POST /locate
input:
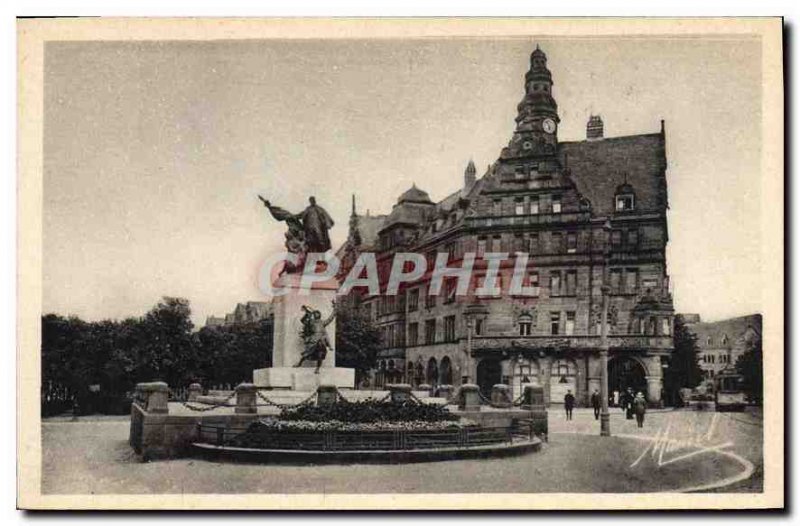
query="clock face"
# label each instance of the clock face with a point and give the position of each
(549, 126)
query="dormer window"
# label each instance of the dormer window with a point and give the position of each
(624, 198)
(625, 203)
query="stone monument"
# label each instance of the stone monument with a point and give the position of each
(304, 355)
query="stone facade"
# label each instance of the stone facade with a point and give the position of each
(548, 200)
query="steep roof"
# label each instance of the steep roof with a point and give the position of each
(599, 166)
(733, 329)
(368, 228)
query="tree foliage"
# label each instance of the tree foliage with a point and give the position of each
(111, 357)
(684, 366)
(357, 339)
(751, 366)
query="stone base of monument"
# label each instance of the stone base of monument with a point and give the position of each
(303, 378)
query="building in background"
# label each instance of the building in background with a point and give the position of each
(549, 200)
(249, 312)
(721, 343)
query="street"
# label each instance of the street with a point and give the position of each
(675, 451)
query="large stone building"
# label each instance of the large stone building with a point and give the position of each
(721, 343)
(551, 200)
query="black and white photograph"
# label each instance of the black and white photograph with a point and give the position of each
(401, 264)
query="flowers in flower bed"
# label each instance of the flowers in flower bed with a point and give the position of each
(370, 411)
(275, 424)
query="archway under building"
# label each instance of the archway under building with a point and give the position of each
(625, 372)
(563, 378)
(489, 373)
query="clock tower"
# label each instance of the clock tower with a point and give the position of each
(536, 133)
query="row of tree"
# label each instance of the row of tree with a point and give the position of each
(99, 363)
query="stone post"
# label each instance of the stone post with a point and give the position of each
(245, 398)
(533, 401)
(195, 390)
(469, 398)
(654, 390)
(399, 393)
(327, 395)
(501, 396)
(153, 396)
(445, 391)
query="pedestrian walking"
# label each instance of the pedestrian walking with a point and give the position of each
(569, 403)
(596, 404)
(639, 407)
(629, 398)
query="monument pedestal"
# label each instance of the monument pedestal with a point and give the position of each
(287, 344)
(303, 378)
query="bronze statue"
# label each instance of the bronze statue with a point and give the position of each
(307, 231)
(315, 337)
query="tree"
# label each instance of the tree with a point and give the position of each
(163, 343)
(684, 367)
(357, 339)
(751, 366)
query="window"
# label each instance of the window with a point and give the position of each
(572, 242)
(569, 326)
(451, 251)
(535, 204)
(616, 238)
(519, 243)
(555, 322)
(413, 334)
(478, 327)
(430, 331)
(497, 243)
(413, 300)
(481, 248)
(430, 300)
(555, 283)
(633, 237)
(450, 289)
(708, 340)
(449, 328)
(571, 278)
(519, 206)
(534, 283)
(615, 281)
(497, 207)
(624, 202)
(557, 247)
(533, 244)
(631, 279)
(556, 204)
(525, 326)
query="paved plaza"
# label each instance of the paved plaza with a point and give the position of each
(92, 456)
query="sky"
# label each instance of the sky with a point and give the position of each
(154, 153)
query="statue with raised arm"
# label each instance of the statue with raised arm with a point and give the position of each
(307, 231)
(315, 338)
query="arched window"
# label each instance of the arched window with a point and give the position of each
(563, 368)
(526, 371)
(525, 324)
(432, 376)
(446, 371)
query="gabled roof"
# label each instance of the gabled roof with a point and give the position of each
(599, 167)
(733, 329)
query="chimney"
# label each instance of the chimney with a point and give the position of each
(469, 175)
(594, 128)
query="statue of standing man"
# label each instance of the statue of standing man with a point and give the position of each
(308, 230)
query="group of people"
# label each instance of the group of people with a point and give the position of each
(632, 405)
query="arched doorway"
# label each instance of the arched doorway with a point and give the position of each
(489, 374)
(526, 371)
(446, 372)
(432, 376)
(563, 378)
(625, 372)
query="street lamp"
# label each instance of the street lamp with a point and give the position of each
(605, 423)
